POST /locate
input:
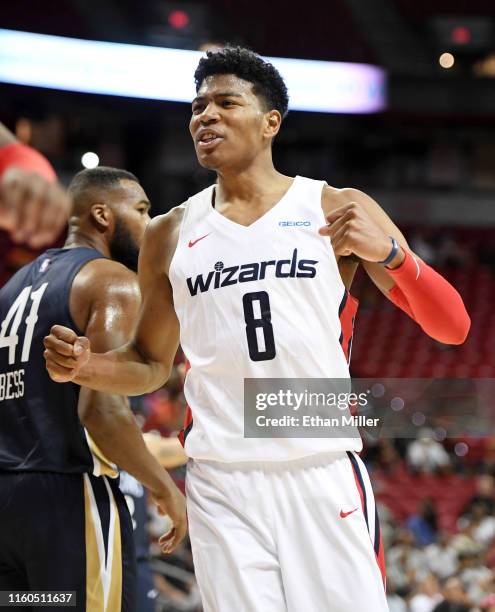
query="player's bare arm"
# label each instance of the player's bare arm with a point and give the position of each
(359, 228)
(143, 364)
(107, 312)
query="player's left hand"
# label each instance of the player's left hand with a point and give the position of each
(172, 504)
(352, 231)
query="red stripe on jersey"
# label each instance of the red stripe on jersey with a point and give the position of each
(188, 421)
(347, 314)
(380, 557)
(356, 480)
(188, 418)
(181, 437)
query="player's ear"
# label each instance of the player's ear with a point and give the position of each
(101, 215)
(273, 121)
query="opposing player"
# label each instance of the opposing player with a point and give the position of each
(33, 206)
(241, 273)
(65, 525)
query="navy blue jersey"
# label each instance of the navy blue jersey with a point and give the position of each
(39, 425)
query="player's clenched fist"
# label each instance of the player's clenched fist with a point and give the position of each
(352, 231)
(65, 353)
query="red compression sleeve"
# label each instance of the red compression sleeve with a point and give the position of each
(22, 156)
(430, 300)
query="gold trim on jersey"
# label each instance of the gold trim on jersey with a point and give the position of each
(101, 465)
(114, 557)
(103, 570)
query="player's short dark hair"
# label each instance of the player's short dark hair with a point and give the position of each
(101, 177)
(247, 65)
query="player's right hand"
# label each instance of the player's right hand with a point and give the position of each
(65, 353)
(172, 503)
(32, 209)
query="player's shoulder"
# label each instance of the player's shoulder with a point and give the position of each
(100, 284)
(333, 197)
(160, 241)
(103, 269)
(102, 279)
(343, 193)
(163, 225)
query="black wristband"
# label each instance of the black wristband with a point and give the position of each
(392, 254)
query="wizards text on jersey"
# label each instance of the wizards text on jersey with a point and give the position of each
(222, 276)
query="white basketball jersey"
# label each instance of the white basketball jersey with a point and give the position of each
(223, 276)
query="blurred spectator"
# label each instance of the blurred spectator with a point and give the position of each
(488, 603)
(490, 557)
(165, 407)
(423, 248)
(484, 495)
(487, 592)
(423, 524)
(483, 526)
(441, 557)
(395, 602)
(428, 595)
(387, 524)
(386, 455)
(425, 454)
(455, 598)
(474, 574)
(464, 542)
(463, 558)
(405, 562)
(488, 460)
(452, 253)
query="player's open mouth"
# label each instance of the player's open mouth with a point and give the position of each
(209, 140)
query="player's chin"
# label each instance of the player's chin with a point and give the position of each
(210, 161)
(214, 159)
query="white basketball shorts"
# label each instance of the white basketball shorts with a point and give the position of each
(296, 536)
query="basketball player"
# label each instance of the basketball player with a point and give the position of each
(64, 523)
(243, 275)
(33, 206)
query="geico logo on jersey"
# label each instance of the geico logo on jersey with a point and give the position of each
(294, 223)
(223, 277)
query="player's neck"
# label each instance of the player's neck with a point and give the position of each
(249, 185)
(80, 238)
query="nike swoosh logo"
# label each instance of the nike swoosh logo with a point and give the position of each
(344, 514)
(193, 242)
